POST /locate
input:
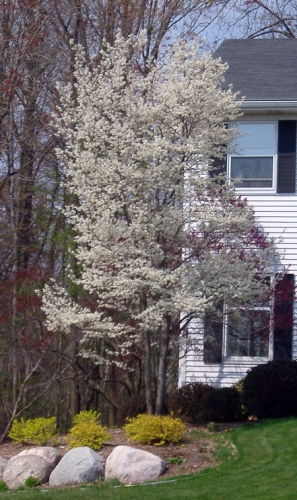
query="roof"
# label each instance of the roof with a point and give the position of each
(261, 69)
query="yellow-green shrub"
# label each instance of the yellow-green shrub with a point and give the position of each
(17, 431)
(86, 431)
(37, 430)
(154, 429)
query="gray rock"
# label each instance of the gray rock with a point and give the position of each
(3, 463)
(80, 465)
(20, 468)
(130, 465)
(48, 453)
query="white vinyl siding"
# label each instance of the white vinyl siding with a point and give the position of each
(277, 214)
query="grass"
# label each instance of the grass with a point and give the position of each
(258, 461)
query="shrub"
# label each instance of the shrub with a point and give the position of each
(86, 431)
(32, 482)
(3, 486)
(185, 401)
(270, 390)
(37, 431)
(133, 406)
(212, 427)
(154, 429)
(220, 405)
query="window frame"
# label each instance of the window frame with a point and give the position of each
(255, 190)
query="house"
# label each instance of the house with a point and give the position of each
(264, 72)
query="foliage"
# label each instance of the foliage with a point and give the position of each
(270, 390)
(86, 431)
(220, 405)
(3, 486)
(32, 482)
(186, 401)
(154, 429)
(37, 431)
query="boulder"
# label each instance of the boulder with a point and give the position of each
(3, 463)
(79, 465)
(19, 469)
(50, 454)
(131, 465)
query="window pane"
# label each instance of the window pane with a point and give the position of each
(248, 333)
(256, 138)
(254, 171)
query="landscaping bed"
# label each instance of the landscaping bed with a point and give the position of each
(192, 454)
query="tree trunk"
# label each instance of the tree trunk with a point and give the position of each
(161, 380)
(147, 374)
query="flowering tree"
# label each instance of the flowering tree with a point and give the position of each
(156, 234)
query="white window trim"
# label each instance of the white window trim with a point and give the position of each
(253, 190)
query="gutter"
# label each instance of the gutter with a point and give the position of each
(270, 106)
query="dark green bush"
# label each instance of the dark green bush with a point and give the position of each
(220, 405)
(270, 390)
(133, 406)
(185, 402)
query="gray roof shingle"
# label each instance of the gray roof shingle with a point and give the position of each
(261, 69)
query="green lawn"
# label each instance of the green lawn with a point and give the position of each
(261, 463)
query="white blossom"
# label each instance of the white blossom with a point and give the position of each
(155, 234)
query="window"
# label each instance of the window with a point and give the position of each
(237, 333)
(255, 160)
(248, 333)
(265, 157)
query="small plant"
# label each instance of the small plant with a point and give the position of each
(154, 429)
(3, 486)
(32, 482)
(213, 427)
(86, 431)
(37, 431)
(196, 434)
(175, 460)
